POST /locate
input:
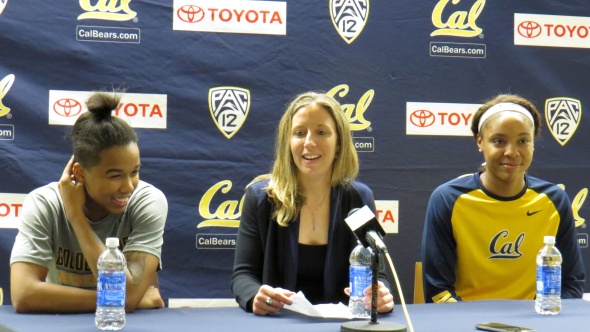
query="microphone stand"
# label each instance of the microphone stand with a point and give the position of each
(373, 325)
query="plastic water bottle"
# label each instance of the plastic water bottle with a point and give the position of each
(548, 300)
(360, 275)
(110, 287)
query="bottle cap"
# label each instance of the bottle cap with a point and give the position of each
(112, 242)
(549, 239)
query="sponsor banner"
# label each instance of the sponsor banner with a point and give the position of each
(551, 30)
(6, 132)
(563, 116)
(439, 119)
(231, 16)
(139, 109)
(10, 209)
(387, 214)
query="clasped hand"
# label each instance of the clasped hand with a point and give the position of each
(384, 297)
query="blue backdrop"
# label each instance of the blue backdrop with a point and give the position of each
(207, 82)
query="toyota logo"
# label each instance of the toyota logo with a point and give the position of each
(529, 29)
(422, 118)
(67, 107)
(190, 13)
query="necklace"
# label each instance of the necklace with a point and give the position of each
(316, 210)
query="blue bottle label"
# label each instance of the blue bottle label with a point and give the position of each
(548, 280)
(110, 289)
(360, 278)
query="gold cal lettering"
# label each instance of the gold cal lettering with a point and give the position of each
(107, 10)
(577, 204)
(460, 23)
(228, 212)
(356, 119)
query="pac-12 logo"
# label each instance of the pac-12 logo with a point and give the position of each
(5, 85)
(563, 116)
(110, 10)
(349, 17)
(229, 107)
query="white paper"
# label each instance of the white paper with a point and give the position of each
(328, 310)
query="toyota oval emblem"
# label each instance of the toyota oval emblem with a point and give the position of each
(422, 118)
(190, 13)
(529, 29)
(67, 107)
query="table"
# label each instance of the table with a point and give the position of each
(462, 316)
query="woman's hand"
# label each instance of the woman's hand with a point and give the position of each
(269, 300)
(384, 297)
(72, 193)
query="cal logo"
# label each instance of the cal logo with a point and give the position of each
(3, 5)
(460, 23)
(229, 107)
(354, 113)
(349, 17)
(503, 247)
(227, 213)
(5, 85)
(110, 10)
(563, 116)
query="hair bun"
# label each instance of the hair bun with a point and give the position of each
(101, 104)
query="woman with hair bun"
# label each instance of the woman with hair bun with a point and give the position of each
(64, 224)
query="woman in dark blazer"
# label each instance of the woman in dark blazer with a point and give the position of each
(292, 235)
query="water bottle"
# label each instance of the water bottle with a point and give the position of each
(360, 275)
(110, 287)
(548, 300)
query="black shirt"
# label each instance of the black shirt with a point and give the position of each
(310, 275)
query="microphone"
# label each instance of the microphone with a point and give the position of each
(366, 228)
(369, 232)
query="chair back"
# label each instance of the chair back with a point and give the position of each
(418, 284)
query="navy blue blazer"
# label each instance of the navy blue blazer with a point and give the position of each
(267, 253)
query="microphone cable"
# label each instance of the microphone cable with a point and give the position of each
(399, 290)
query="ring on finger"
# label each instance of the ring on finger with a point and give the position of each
(269, 302)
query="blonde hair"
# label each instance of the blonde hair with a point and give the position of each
(283, 187)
